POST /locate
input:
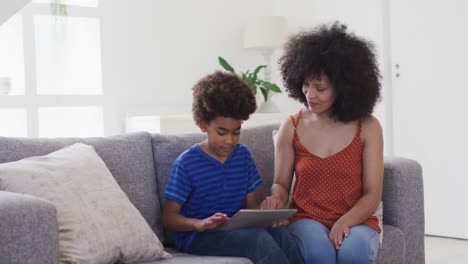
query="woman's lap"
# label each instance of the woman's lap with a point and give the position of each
(361, 246)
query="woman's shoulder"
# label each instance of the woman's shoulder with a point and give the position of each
(292, 118)
(286, 130)
(370, 126)
(370, 121)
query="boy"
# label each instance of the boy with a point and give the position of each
(214, 179)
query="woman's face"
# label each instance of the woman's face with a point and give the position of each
(320, 93)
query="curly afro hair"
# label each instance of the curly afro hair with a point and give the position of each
(347, 60)
(222, 94)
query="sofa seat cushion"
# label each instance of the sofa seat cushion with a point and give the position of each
(394, 246)
(96, 221)
(184, 258)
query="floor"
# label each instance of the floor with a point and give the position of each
(441, 250)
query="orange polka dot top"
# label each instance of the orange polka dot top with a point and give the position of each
(327, 188)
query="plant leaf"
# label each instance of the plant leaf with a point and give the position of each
(225, 64)
(272, 87)
(265, 93)
(252, 86)
(253, 79)
(257, 70)
(248, 79)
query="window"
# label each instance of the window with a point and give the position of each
(11, 52)
(50, 72)
(13, 122)
(67, 55)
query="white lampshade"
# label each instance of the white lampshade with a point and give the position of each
(264, 32)
(10, 7)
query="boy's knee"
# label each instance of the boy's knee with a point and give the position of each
(280, 234)
(264, 236)
(255, 237)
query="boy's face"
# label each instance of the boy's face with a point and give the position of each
(223, 135)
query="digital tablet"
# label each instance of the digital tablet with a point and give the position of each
(249, 218)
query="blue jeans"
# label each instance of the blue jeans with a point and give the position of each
(361, 245)
(268, 246)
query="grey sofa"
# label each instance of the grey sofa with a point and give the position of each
(141, 163)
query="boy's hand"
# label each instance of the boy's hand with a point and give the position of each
(211, 222)
(272, 202)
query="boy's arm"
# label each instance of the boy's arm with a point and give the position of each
(175, 221)
(252, 201)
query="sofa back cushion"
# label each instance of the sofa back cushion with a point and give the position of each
(166, 148)
(260, 142)
(129, 158)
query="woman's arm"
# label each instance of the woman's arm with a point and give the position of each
(372, 173)
(284, 168)
(372, 180)
(173, 220)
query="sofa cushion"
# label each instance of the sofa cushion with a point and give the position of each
(96, 221)
(260, 142)
(183, 258)
(129, 158)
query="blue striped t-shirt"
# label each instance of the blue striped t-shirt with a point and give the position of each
(205, 186)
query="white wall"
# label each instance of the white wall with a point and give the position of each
(154, 51)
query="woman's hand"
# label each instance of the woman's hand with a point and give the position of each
(337, 233)
(280, 223)
(272, 202)
(211, 222)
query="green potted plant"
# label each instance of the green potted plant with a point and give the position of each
(252, 79)
(58, 8)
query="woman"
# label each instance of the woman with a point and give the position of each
(334, 146)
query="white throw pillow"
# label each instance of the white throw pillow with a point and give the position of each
(97, 222)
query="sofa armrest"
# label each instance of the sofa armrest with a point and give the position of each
(28, 230)
(403, 202)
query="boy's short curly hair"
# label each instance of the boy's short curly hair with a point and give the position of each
(222, 94)
(347, 60)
